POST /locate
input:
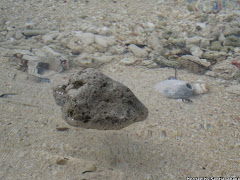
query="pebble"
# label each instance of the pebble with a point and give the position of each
(196, 51)
(48, 38)
(138, 52)
(127, 61)
(50, 51)
(34, 32)
(85, 38)
(31, 58)
(101, 40)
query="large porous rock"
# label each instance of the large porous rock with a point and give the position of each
(94, 101)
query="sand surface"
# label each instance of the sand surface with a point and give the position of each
(176, 141)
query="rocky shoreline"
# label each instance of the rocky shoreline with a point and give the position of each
(160, 35)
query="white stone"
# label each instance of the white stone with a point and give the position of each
(49, 50)
(101, 40)
(85, 38)
(84, 60)
(39, 53)
(138, 52)
(48, 38)
(31, 58)
(103, 59)
(196, 51)
(127, 61)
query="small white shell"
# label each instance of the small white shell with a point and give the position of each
(200, 88)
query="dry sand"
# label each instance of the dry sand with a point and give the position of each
(176, 141)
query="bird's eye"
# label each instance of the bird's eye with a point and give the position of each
(189, 86)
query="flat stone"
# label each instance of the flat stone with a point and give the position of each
(34, 32)
(197, 60)
(138, 52)
(31, 58)
(92, 100)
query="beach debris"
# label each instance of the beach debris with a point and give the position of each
(94, 101)
(62, 161)
(62, 128)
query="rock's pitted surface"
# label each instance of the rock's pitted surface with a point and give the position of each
(93, 100)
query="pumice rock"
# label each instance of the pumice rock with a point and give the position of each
(94, 101)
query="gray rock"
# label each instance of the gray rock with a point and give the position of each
(94, 101)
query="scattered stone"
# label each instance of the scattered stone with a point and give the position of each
(196, 51)
(197, 60)
(101, 40)
(34, 32)
(50, 51)
(155, 42)
(48, 38)
(138, 52)
(18, 35)
(31, 58)
(39, 53)
(85, 38)
(216, 46)
(231, 31)
(232, 41)
(127, 61)
(103, 59)
(93, 100)
(215, 55)
(85, 60)
(164, 62)
(224, 70)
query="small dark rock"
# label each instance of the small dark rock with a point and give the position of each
(94, 101)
